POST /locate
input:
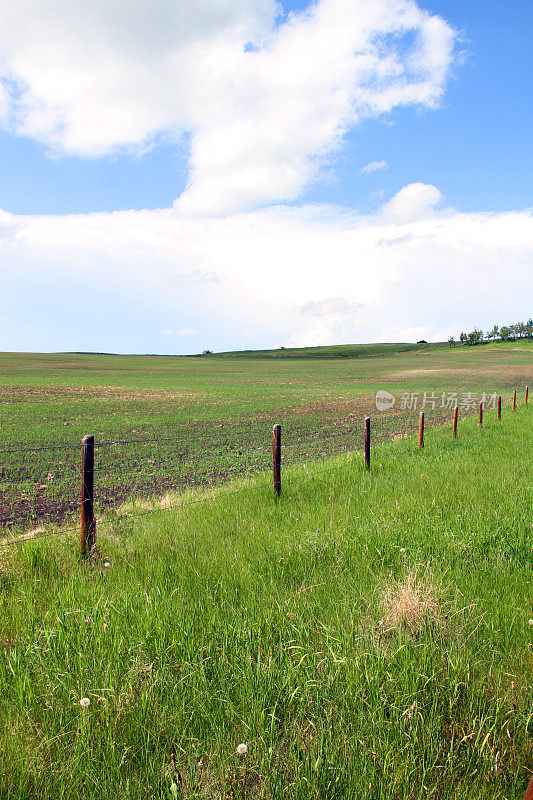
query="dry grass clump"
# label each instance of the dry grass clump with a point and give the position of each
(411, 602)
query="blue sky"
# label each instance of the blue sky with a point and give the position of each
(476, 147)
(470, 140)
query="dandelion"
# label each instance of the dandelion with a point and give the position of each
(402, 549)
(107, 563)
(85, 702)
(531, 621)
(242, 749)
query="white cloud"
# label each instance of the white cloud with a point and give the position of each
(181, 332)
(330, 314)
(92, 78)
(373, 166)
(291, 275)
(197, 276)
(332, 306)
(414, 200)
(9, 227)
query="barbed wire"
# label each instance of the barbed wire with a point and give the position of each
(382, 434)
(304, 464)
(220, 441)
(24, 538)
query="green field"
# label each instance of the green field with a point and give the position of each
(183, 421)
(368, 635)
(337, 351)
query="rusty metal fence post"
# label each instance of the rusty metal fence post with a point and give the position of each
(454, 429)
(529, 791)
(367, 442)
(88, 521)
(421, 430)
(276, 458)
(480, 422)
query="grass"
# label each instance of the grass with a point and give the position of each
(370, 350)
(188, 421)
(338, 351)
(367, 635)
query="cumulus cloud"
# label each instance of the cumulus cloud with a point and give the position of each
(331, 316)
(373, 166)
(291, 275)
(9, 227)
(414, 200)
(264, 100)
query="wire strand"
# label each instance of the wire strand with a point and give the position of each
(23, 539)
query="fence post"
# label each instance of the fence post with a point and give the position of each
(455, 413)
(276, 458)
(499, 407)
(527, 389)
(88, 522)
(514, 400)
(480, 423)
(367, 442)
(421, 430)
(529, 791)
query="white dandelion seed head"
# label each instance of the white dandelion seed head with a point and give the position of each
(85, 702)
(402, 549)
(531, 621)
(242, 749)
(107, 563)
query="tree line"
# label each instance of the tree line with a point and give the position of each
(507, 333)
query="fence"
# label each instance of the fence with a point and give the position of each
(216, 461)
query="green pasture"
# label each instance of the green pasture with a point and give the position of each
(367, 636)
(164, 422)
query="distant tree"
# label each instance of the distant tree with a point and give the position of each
(494, 333)
(474, 337)
(207, 352)
(505, 333)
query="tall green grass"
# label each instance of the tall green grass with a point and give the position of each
(367, 635)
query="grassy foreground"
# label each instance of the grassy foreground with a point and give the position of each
(368, 636)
